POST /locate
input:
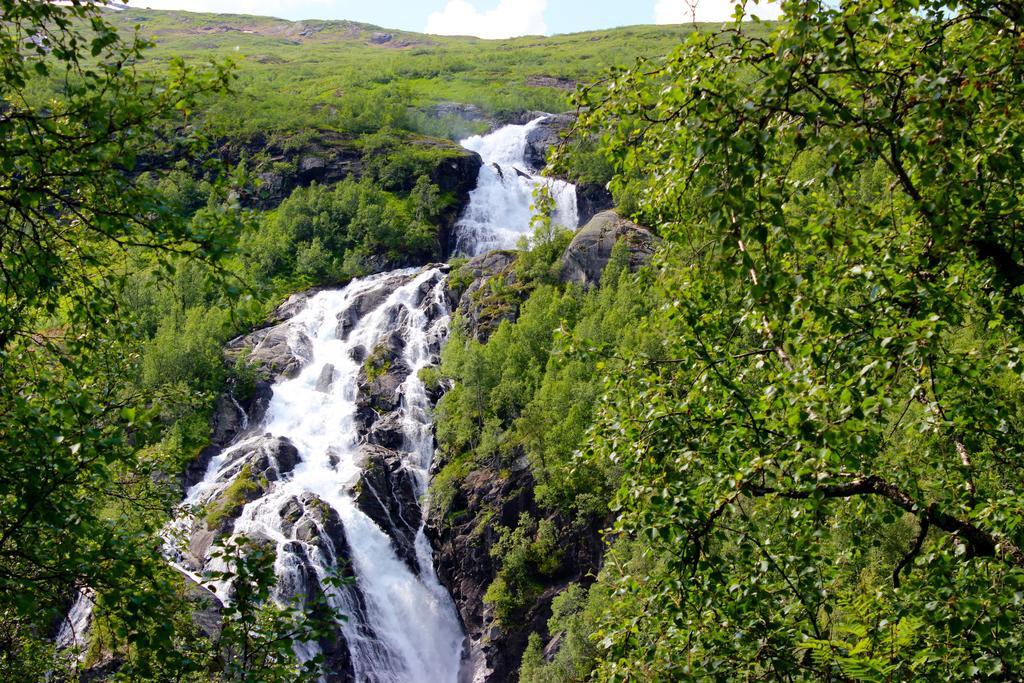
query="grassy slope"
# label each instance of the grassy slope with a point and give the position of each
(314, 73)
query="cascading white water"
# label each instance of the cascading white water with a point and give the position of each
(71, 635)
(309, 455)
(402, 625)
(500, 209)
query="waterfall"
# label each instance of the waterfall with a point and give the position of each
(500, 209)
(334, 474)
(343, 455)
(71, 633)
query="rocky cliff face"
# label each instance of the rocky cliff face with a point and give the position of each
(487, 498)
(282, 164)
(326, 157)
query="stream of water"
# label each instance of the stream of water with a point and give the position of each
(332, 491)
(501, 208)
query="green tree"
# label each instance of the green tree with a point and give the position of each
(75, 116)
(259, 635)
(826, 449)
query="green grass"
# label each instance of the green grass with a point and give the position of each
(332, 75)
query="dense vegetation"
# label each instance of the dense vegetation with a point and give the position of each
(801, 424)
(356, 78)
(121, 288)
(817, 447)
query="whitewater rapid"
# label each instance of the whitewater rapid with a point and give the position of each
(401, 624)
(501, 208)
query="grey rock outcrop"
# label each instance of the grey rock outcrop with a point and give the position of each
(558, 82)
(474, 298)
(276, 353)
(592, 199)
(591, 249)
(258, 461)
(206, 607)
(386, 493)
(547, 134)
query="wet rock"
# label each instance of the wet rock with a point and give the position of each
(592, 199)
(230, 418)
(257, 404)
(227, 420)
(520, 118)
(318, 530)
(326, 379)
(590, 250)
(380, 378)
(290, 513)
(357, 353)
(275, 352)
(293, 305)
(269, 457)
(386, 493)
(367, 302)
(387, 432)
(547, 134)
(246, 476)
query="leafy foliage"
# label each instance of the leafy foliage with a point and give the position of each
(342, 231)
(260, 636)
(823, 454)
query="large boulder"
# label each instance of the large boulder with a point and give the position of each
(591, 249)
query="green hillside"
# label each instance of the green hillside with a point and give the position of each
(351, 77)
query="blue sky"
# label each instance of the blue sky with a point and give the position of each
(485, 18)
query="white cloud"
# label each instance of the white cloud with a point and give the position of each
(510, 18)
(685, 11)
